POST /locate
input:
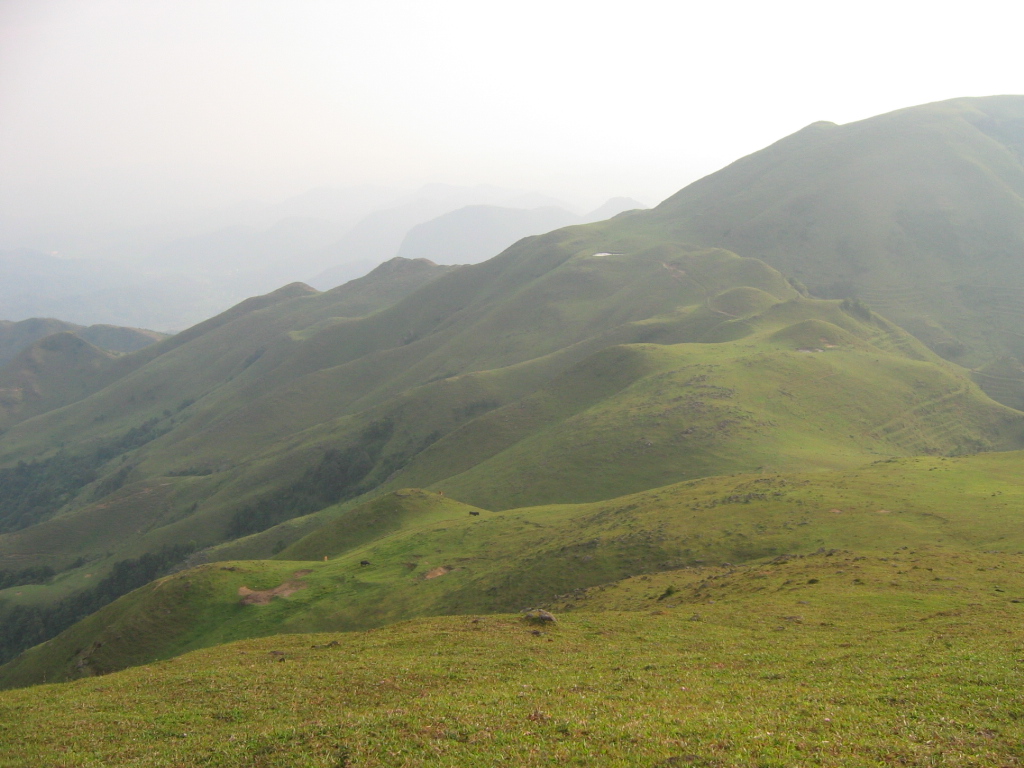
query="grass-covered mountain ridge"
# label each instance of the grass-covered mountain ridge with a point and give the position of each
(583, 365)
(919, 213)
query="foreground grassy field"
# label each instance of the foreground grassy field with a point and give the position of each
(911, 658)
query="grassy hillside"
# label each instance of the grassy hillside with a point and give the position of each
(59, 368)
(580, 365)
(47, 363)
(429, 555)
(528, 433)
(14, 337)
(919, 212)
(831, 659)
(243, 426)
(387, 284)
(641, 416)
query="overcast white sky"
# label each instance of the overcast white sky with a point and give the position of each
(113, 109)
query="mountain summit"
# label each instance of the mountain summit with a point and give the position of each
(919, 213)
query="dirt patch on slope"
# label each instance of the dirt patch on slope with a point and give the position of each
(441, 570)
(264, 596)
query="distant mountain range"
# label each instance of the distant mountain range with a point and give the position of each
(15, 337)
(478, 232)
(159, 280)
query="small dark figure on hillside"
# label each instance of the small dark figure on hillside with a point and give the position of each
(475, 514)
(539, 616)
(364, 562)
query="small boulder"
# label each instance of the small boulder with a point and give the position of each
(539, 616)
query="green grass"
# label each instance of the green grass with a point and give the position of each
(916, 212)
(550, 374)
(749, 666)
(545, 375)
(505, 561)
(869, 615)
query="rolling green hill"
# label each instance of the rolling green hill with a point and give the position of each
(46, 363)
(415, 553)
(582, 365)
(387, 284)
(17, 336)
(14, 337)
(245, 425)
(116, 338)
(55, 369)
(919, 213)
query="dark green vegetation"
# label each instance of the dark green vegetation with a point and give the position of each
(25, 625)
(33, 492)
(338, 476)
(25, 576)
(593, 421)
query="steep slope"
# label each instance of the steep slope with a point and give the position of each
(384, 286)
(690, 411)
(919, 212)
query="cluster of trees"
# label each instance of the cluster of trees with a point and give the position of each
(339, 475)
(36, 575)
(31, 492)
(22, 626)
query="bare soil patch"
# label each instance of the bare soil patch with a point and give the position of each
(262, 597)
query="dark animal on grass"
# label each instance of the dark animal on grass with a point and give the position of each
(475, 514)
(364, 562)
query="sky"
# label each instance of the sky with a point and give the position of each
(114, 112)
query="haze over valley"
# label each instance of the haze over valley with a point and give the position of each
(327, 236)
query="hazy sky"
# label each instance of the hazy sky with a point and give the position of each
(110, 109)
